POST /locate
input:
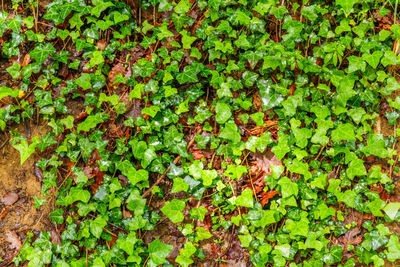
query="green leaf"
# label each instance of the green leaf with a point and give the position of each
(223, 111)
(25, 149)
(334, 255)
(356, 63)
(76, 194)
(391, 209)
(198, 213)
(393, 245)
(13, 70)
(96, 59)
(158, 252)
(118, 17)
(235, 171)
(182, 7)
(373, 59)
(136, 203)
(245, 199)
(42, 52)
(297, 166)
(173, 210)
(179, 185)
(100, 6)
(97, 225)
(84, 81)
(288, 188)
(185, 254)
(6, 91)
(343, 132)
(91, 122)
(57, 216)
(375, 146)
(347, 5)
(187, 40)
(345, 90)
(189, 74)
(133, 175)
(230, 132)
(151, 111)
(202, 234)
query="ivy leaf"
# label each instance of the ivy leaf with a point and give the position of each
(151, 111)
(158, 252)
(97, 225)
(296, 166)
(373, 59)
(91, 122)
(334, 255)
(230, 132)
(133, 175)
(269, 98)
(198, 213)
(185, 254)
(118, 17)
(202, 234)
(84, 81)
(182, 7)
(173, 210)
(245, 199)
(96, 59)
(25, 149)
(100, 6)
(189, 74)
(375, 146)
(347, 5)
(13, 70)
(6, 91)
(288, 188)
(187, 40)
(391, 209)
(393, 245)
(343, 132)
(179, 185)
(76, 194)
(57, 216)
(356, 63)
(42, 51)
(223, 111)
(392, 85)
(235, 171)
(356, 168)
(345, 90)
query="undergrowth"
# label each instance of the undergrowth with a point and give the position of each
(254, 118)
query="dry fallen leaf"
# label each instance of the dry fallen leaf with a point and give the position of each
(117, 69)
(55, 237)
(13, 239)
(265, 160)
(9, 198)
(101, 45)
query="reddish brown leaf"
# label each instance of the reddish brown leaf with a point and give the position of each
(98, 180)
(3, 213)
(13, 239)
(55, 237)
(265, 160)
(101, 45)
(9, 198)
(26, 61)
(265, 196)
(117, 69)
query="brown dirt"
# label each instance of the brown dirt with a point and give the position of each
(21, 216)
